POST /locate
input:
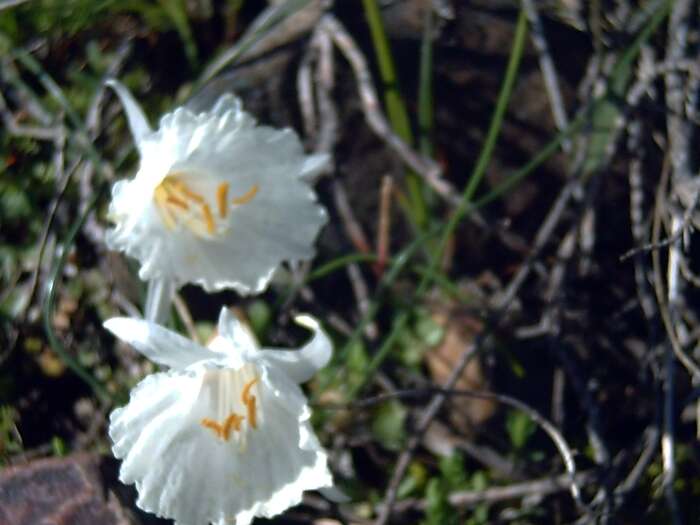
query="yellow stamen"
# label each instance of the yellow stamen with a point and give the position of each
(161, 197)
(249, 401)
(171, 199)
(252, 413)
(208, 218)
(212, 425)
(233, 422)
(246, 197)
(192, 195)
(245, 394)
(221, 193)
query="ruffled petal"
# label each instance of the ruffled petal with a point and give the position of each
(280, 223)
(300, 365)
(138, 123)
(250, 210)
(159, 344)
(186, 467)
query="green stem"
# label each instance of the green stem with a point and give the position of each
(500, 111)
(54, 341)
(430, 274)
(340, 262)
(396, 109)
(489, 144)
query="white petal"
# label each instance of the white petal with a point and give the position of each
(157, 398)
(228, 103)
(235, 332)
(206, 150)
(157, 343)
(138, 123)
(301, 364)
(279, 224)
(184, 471)
(314, 166)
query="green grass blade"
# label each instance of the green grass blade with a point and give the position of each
(497, 117)
(430, 274)
(489, 143)
(394, 101)
(609, 109)
(395, 106)
(340, 263)
(84, 142)
(401, 318)
(177, 12)
(262, 27)
(612, 96)
(49, 303)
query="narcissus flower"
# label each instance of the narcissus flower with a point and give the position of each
(218, 200)
(224, 434)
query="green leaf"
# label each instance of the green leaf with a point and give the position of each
(415, 480)
(430, 332)
(388, 424)
(438, 509)
(15, 203)
(10, 440)
(58, 446)
(453, 471)
(520, 427)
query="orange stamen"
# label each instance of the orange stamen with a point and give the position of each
(245, 394)
(233, 422)
(212, 425)
(208, 218)
(250, 401)
(252, 414)
(221, 193)
(246, 197)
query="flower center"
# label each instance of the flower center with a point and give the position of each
(235, 398)
(203, 215)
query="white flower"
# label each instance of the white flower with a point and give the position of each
(217, 200)
(223, 435)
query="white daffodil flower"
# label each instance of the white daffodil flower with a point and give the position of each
(218, 200)
(224, 435)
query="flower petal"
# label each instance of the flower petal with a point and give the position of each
(159, 344)
(279, 224)
(271, 213)
(300, 365)
(235, 332)
(314, 165)
(184, 471)
(138, 123)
